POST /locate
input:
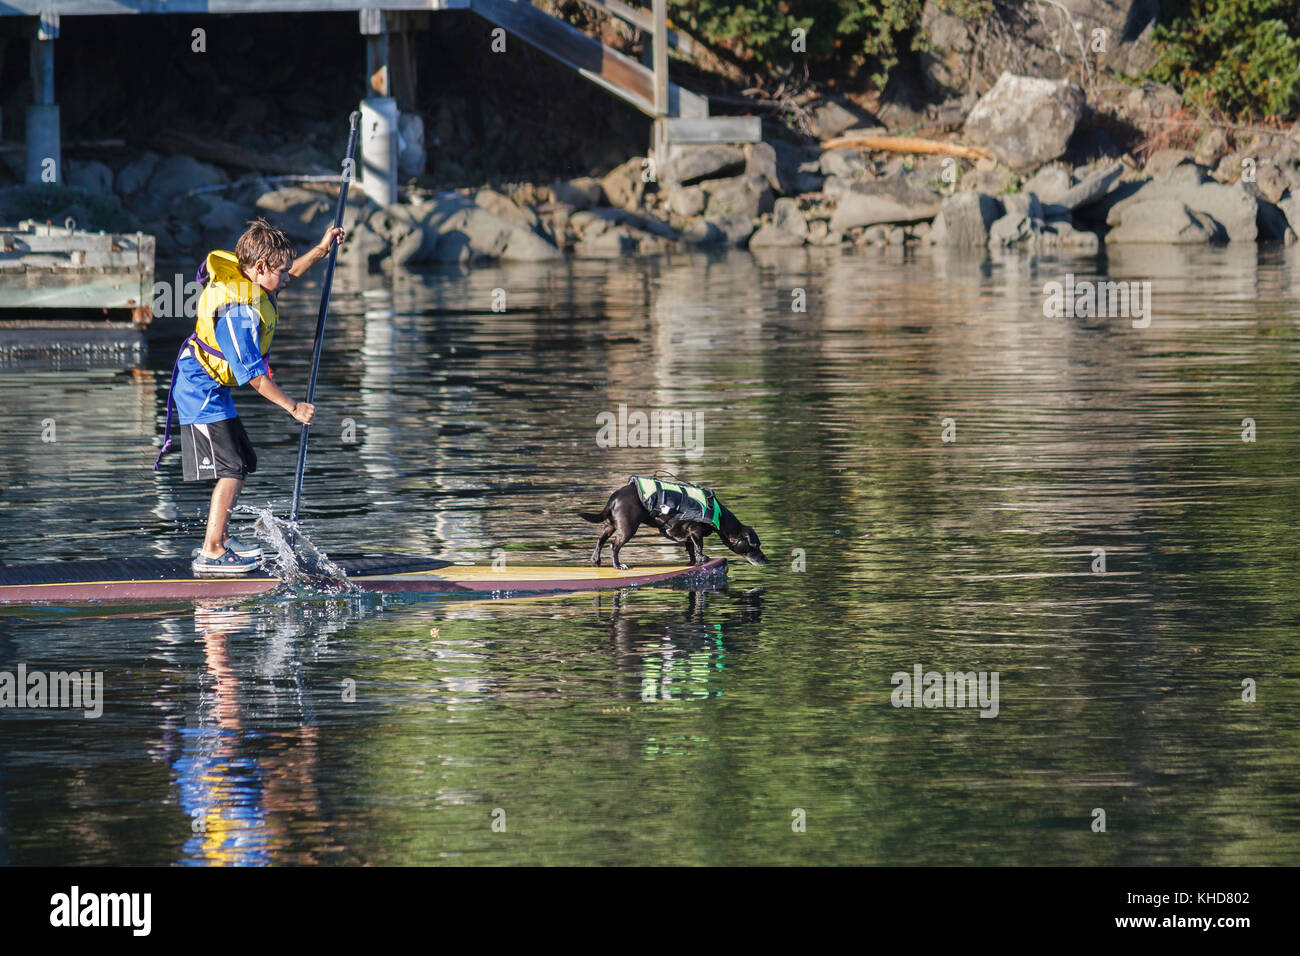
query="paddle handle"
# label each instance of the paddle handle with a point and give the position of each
(348, 165)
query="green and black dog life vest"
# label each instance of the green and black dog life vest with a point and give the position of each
(676, 501)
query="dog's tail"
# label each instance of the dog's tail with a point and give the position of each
(594, 518)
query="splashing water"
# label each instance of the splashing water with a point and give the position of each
(297, 561)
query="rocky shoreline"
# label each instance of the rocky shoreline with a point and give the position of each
(1045, 181)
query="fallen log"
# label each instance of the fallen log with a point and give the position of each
(904, 144)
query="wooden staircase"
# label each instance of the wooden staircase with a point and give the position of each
(680, 115)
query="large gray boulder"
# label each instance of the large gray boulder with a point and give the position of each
(688, 163)
(474, 233)
(1236, 207)
(894, 198)
(91, 175)
(1164, 221)
(505, 207)
(965, 220)
(134, 176)
(749, 196)
(1025, 120)
(177, 175)
(624, 185)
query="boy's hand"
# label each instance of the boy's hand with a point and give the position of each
(303, 412)
(333, 236)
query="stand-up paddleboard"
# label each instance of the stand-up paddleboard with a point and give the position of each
(164, 579)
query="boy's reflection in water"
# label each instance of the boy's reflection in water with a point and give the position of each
(241, 788)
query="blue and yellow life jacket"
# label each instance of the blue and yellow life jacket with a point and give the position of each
(676, 501)
(225, 285)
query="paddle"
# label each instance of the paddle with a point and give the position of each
(346, 178)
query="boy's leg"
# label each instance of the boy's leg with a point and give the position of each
(224, 496)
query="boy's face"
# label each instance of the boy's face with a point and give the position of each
(270, 278)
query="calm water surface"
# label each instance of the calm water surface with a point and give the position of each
(664, 726)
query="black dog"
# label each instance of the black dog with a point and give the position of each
(627, 510)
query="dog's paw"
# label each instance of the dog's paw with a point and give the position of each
(622, 567)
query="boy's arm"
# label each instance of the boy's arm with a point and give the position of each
(301, 411)
(317, 252)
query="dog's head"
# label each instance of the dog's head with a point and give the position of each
(741, 538)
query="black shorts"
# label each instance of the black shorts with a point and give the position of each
(217, 450)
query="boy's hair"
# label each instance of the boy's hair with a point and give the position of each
(261, 240)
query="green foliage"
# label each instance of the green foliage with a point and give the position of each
(1237, 56)
(838, 34)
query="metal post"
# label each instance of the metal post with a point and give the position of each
(661, 57)
(44, 159)
(379, 138)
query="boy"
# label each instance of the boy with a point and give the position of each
(229, 346)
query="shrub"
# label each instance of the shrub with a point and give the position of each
(1236, 56)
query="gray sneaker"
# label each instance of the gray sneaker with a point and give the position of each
(228, 563)
(253, 550)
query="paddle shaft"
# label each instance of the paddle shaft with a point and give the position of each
(354, 120)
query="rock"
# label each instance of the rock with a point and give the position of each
(769, 236)
(625, 184)
(687, 163)
(505, 207)
(302, 213)
(787, 228)
(787, 217)
(962, 55)
(1026, 121)
(848, 164)
(177, 175)
(1091, 189)
(474, 233)
(1151, 101)
(831, 118)
(1164, 221)
(92, 176)
(808, 178)
(1212, 147)
(1163, 160)
(748, 196)
(730, 229)
(1234, 207)
(411, 155)
(581, 193)
(888, 199)
(983, 181)
(134, 176)
(1022, 204)
(1290, 209)
(402, 228)
(874, 236)
(223, 222)
(687, 200)
(1273, 183)
(1050, 183)
(620, 240)
(965, 220)
(761, 160)
(1013, 228)
(1062, 234)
